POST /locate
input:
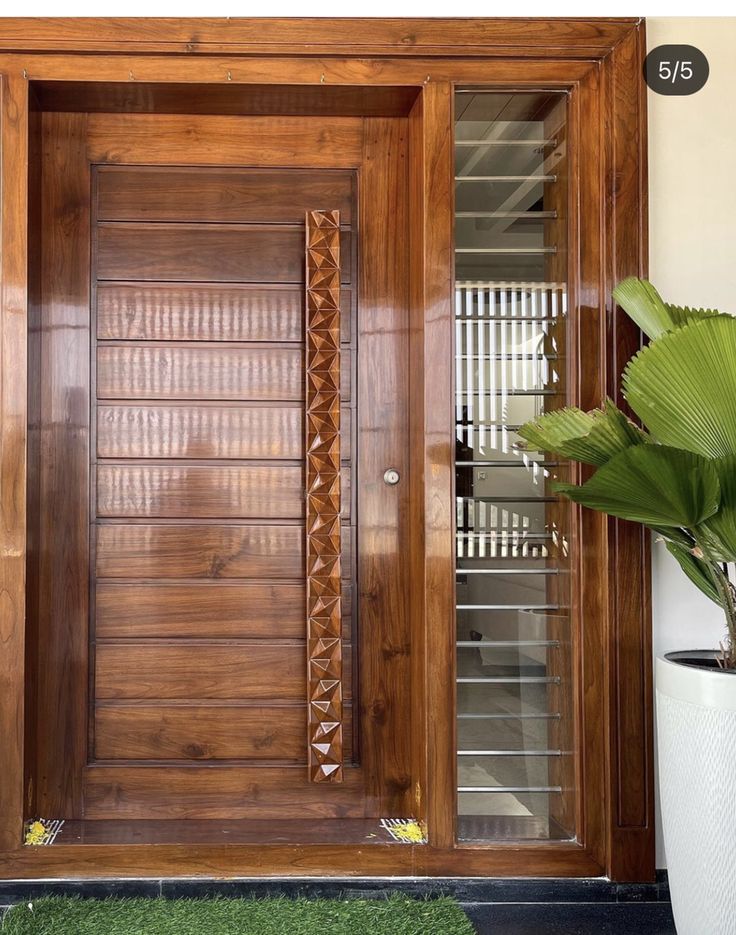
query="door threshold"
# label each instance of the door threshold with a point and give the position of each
(363, 831)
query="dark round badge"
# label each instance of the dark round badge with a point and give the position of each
(676, 69)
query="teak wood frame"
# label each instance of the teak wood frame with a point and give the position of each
(599, 63)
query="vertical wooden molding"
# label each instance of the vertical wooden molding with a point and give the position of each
(324, 619)
(631, 783)
(13, 377)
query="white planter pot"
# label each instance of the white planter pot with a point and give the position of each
(696, 731)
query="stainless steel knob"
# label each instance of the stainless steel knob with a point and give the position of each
(391, 477)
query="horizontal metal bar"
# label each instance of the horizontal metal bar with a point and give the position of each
(540, 356)
(503, 644)
(508, 319)
(507, 607)
(503, 464)
(505, 178)
(509, 752)
(511, 679)
(489, 499)
(504, 534)
(552, 142)
(506, 250)
(508, 571)
(515, 789)
(538, 285)
(508, 717)
(509, 215)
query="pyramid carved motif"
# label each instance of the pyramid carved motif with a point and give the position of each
(323, 546)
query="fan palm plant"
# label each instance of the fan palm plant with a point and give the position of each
(677, 474)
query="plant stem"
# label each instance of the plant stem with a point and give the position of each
(728, 602)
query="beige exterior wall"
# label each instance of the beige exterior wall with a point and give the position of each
(692, 255)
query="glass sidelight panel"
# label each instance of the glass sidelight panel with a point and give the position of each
(513, 548)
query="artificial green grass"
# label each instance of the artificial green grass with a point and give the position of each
(396, 915)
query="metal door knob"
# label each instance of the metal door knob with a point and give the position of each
(391, 477)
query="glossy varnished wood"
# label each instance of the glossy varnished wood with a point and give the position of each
(205, 610)
(63, 606)
(13, 329)
(200, 551)
(144, 139)
(181, 193)
(200, 491)
(200, 670)
(188, 372)
(235, 99)
(356, 36)
(210, 252)
(204, 312)
(197, 791)
(205, 732)
(385, 649)
(509, 53)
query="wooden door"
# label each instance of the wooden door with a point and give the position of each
(183, 590)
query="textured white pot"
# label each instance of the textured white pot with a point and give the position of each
(696, 731)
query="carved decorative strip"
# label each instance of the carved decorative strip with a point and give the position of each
(324, 648)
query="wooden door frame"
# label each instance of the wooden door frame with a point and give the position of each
(599, 63)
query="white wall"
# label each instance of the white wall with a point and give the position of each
(692, 256)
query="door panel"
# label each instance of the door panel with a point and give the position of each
(183, 193)
(198, 616)
(204, 312)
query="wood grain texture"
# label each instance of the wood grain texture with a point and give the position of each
(288, 100)
(201, 551)
(200, 670)
(208, 610)
(632, 822)
(358, 36)
(383, 432)
(202, 732)
(199, 431)
(13, 376)
(198, 791)
(139, 141)
(203, 252)
(186, 372)
(323, 545)
(204, 312)
(145, 139)
(185, 193)
(63, 609)
(200, 491)
(433, 459)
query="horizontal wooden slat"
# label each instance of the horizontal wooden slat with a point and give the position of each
(153, 372)
(254, 141)
(204, 732)
(200, 492)
(190, 193)
(200, 609)
(242, 373)
(204, 609)
(199, 732)
(217, 792)
(191, 431)
(205, 312)
(209, 253)
(201, 551)
(256, 671)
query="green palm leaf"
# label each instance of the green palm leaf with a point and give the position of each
(644, 305)
(718, 532)
(683, 387)
(652, 484)
(592, 437)
(698, 572)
